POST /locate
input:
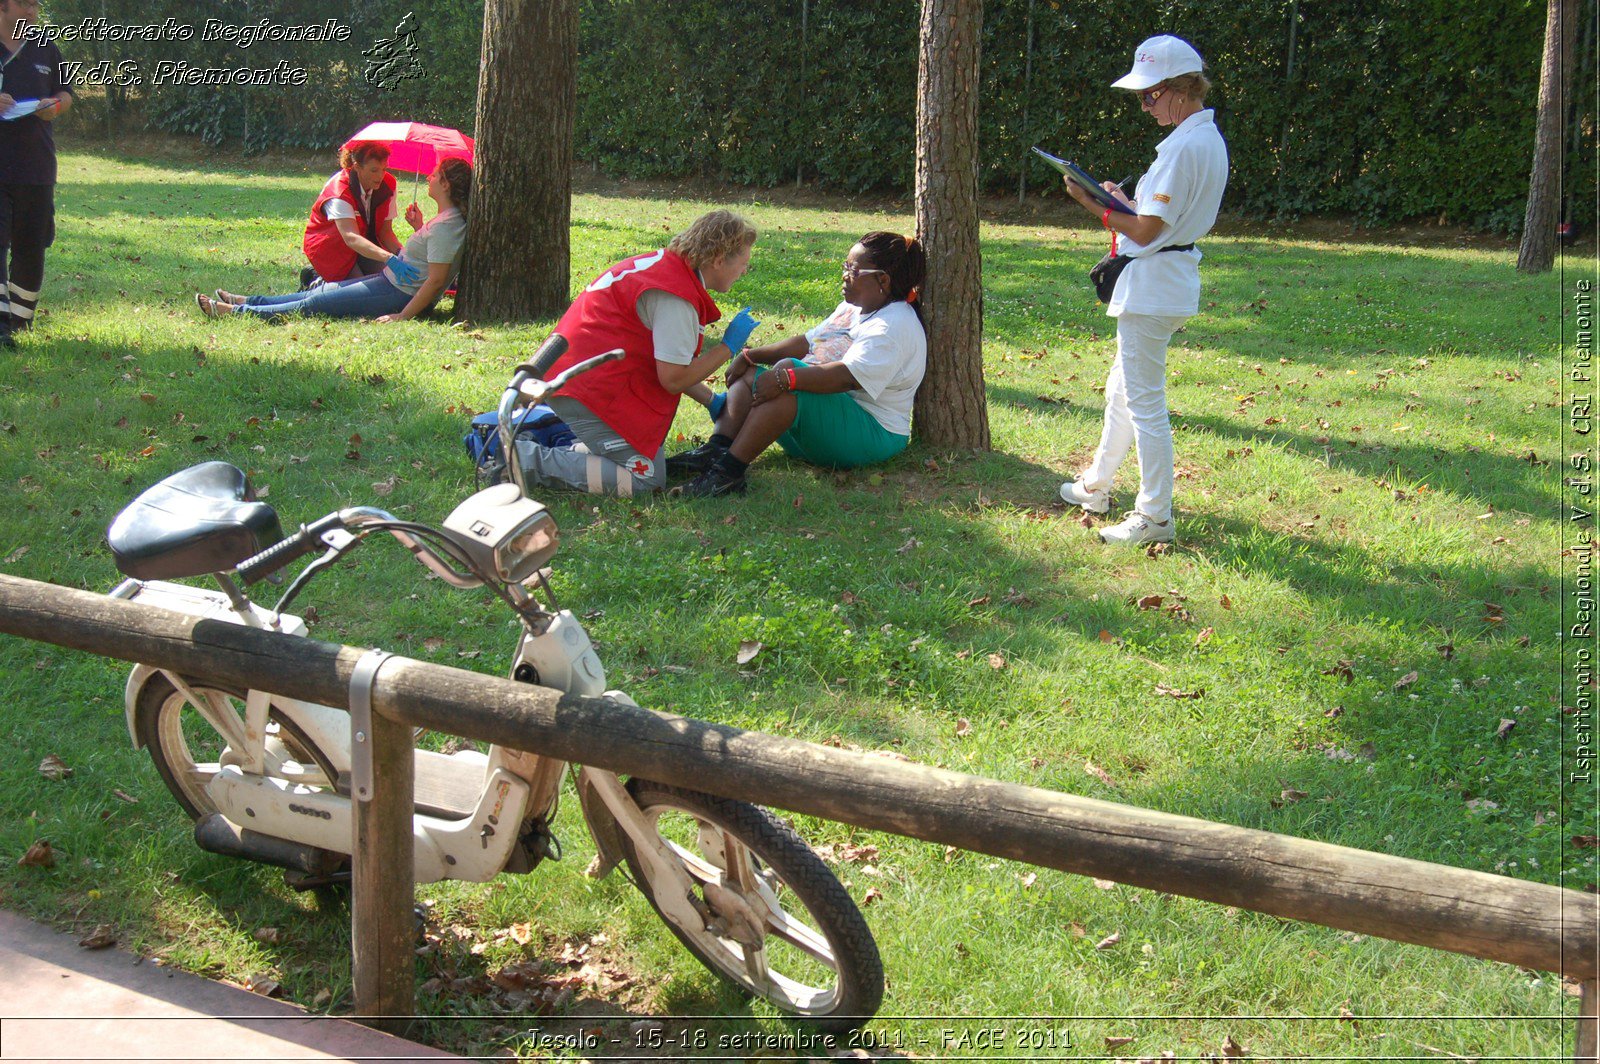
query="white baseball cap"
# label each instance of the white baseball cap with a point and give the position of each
(1157, 59)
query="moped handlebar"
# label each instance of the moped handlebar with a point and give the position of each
(288, 550)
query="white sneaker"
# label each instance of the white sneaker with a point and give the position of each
(1096, 502)
(1137, 529)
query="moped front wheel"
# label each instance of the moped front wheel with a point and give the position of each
(190, 740)
(778, 923)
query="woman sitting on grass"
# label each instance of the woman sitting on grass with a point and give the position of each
(384, 296)
(839, 396)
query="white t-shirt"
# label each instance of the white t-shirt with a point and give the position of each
(1184, 189)
(439, 240)
(887, 353)
(339, 208)
(674, 326)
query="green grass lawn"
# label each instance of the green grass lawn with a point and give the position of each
(1368, 487)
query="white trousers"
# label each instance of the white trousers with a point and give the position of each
(1136, 413)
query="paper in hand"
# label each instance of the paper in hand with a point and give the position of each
(21, 109)
(1078, 176)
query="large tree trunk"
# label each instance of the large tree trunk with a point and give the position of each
(951, 409)
(518, 250)
(1538, 250)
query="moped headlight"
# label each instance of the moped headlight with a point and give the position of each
(525, 551)
(505, 532)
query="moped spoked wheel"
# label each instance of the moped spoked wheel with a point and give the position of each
(191, 741)
(780, 925)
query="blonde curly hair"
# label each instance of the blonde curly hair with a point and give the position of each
(1195, 86)
(712, 236)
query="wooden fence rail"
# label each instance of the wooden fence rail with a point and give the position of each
(1493, 917)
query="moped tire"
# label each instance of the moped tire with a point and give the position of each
(175, 734)
(817, 960)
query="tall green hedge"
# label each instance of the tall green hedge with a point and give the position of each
(1387, 110)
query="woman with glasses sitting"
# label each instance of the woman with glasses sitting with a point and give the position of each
(839, 396)
(1176, 203)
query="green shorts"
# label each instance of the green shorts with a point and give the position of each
(835, 431)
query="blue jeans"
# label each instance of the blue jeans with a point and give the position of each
(367, 298)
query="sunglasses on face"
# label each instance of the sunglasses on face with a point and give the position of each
(852, 271)
(1150, 96)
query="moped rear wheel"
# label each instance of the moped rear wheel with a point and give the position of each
(813, 955)
(191, 741)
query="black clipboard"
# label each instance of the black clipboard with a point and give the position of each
(1080, 177)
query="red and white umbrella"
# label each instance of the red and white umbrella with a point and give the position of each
(415, 147)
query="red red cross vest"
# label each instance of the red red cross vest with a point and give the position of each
(627, 394)
(323, 244)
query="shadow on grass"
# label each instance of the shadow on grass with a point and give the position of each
(878, 595)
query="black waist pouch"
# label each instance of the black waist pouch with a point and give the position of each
(1103, 274)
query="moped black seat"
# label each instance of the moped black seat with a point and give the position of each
(202, 520)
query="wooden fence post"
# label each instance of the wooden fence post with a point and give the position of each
(382, 896)
(1588, 1025)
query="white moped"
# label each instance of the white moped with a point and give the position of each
(270, 778)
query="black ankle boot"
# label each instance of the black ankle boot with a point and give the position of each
(695, 462)
(720, 479)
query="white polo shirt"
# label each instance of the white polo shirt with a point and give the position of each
(1184, 189)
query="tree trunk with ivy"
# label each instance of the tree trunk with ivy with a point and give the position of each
(518, 250)
(951, 410)
(1537, 252)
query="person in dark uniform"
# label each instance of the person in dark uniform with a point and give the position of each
(32, 81)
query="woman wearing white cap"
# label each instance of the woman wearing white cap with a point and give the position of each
(1176, 201)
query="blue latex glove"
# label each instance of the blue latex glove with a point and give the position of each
(719, 403)
(404, 272)
(739, 330)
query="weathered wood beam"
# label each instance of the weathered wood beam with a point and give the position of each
(1493, 917)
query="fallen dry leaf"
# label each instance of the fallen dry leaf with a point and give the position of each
(1230, 1048)
(263, 985)
(996, 662)
(1586, 842)
(521, 934)
(1342, 668)
(1173, 692)
(1203, 636)
(1109, 941)
(1115, 1040)
(976, 601)
(1506, 724)
(1029, 880)
(432, 643)
(1099, 773)
(1105, 884)
(1107, 637)
(1149, 602)
(124, 796)
(1405, 681)
(748, 649)
(963, 728)
(873, 894)
(103, 936)
(1225, 602)
(908, 546)
(15, 556)
(53, 768)
(39, 855)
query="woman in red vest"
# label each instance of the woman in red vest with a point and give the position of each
(655, 307)
(350, 233)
